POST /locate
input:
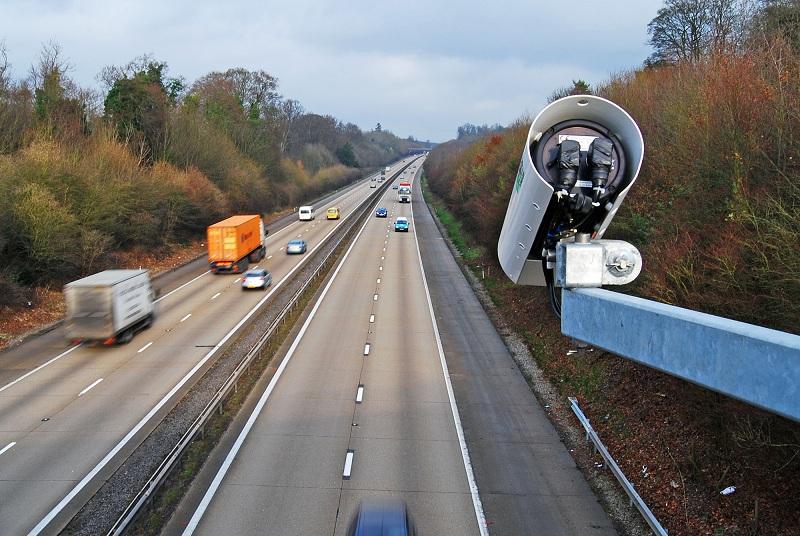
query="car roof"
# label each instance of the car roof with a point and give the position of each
(296, 241)
(381, 518)
(401, 218)
(258, 272)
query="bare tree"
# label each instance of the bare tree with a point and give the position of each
(688, 30)
(290, 110)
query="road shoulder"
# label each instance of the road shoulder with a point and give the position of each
(528, 482)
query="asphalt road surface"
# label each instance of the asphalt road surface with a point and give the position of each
(363, 407)
(70, 414)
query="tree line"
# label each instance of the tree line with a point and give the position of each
(150, 159)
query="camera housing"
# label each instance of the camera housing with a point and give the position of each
(582, 155)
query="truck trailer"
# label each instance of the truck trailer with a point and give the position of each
(235, 242)
(109, 306)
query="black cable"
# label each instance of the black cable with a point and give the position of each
(552, 293)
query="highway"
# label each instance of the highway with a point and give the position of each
(69, 415)
(372, 328)
(362, 406)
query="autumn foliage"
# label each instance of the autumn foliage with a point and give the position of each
(716, 209)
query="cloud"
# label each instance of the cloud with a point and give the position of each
(417, 67)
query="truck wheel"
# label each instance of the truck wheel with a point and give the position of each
(125, 337)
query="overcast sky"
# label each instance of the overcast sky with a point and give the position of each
(418, 68)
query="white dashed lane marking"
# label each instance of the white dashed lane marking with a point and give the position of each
(92, 385)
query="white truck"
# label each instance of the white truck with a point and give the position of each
(404, 194)
(109, 307)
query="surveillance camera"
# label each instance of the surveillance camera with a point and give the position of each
(582, 155)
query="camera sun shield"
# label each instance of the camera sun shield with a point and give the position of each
(582, 155)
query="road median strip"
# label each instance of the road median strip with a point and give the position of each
(155, 473)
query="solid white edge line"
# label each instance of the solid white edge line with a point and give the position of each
(215, 296)
(144, 420)
(348, 465)
(223, 470)
(10, 445)
(40, 367)
(186, 317)
(56, 358)
(473, 486)
(145, 347)
(87, 389)
(173, 291)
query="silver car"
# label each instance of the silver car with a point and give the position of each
(296, 247)
(259, 278)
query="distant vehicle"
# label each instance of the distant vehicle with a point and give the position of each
(388, 169)
(404, 194)
(401, 224)
(381, 212)
(333, 213)
(256, 279)
(394, 187)
(296, 246)
(235, 242)
(382, 518)
(305, 213)
(109, 306)
(373, 183)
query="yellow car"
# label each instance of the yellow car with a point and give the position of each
(333, 213)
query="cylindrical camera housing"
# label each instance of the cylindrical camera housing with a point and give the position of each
(533, 204)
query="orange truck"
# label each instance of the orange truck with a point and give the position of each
(235, 242)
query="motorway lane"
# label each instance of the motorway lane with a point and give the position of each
(287, 478)
(528, 481)
(60, 435)
(21, 359)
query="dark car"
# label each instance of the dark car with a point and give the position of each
(382, 518)
(381, 212)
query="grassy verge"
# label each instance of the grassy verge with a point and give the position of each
(468, 249)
